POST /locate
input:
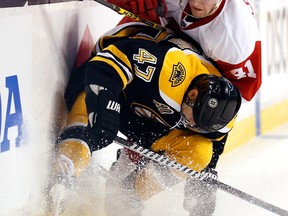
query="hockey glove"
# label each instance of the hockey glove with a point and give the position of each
(103, 114)
(145, 9)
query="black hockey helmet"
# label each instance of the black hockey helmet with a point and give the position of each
(217, 103)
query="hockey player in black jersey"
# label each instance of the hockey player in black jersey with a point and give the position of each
(157, 90)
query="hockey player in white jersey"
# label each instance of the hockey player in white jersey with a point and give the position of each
(225, 29)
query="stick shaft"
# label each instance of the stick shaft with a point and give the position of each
(129, 14)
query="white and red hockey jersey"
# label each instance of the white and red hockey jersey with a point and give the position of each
(230, 36)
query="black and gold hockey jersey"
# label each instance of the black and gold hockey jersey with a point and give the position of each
(150, 70)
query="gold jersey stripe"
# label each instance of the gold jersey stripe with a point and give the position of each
(122, 60)
(123, 71)
(115, 66)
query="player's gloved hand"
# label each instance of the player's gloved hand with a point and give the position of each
(209, 173)
(145, 9)
(103, 112)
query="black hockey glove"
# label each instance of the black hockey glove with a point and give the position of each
(103, 114)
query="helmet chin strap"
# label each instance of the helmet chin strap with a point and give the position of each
(183, 119)
(191, 15)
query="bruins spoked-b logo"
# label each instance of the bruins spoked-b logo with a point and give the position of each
(178, 74)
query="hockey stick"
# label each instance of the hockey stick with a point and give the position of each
(129, 14)
(184, 169)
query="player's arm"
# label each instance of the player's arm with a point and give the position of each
(242, 53)
(145, 9)
(111, 70)
(105, 76)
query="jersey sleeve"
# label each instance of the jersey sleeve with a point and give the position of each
(246, 75)
(110, 68)
(236, 48)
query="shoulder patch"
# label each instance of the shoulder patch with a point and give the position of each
(178, 74)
